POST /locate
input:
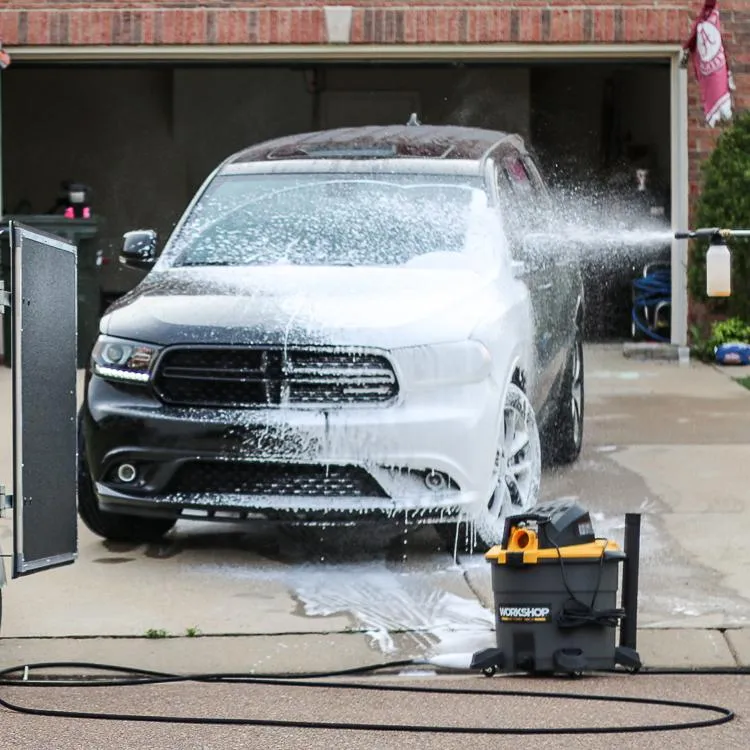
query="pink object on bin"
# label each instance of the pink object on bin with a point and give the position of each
(711, 65)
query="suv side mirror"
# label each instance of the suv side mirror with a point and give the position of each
(139, 249)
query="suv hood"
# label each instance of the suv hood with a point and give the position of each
(379, 307)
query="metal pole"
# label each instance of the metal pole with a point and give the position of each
(2, 209)
(629, 625)
(680, 185)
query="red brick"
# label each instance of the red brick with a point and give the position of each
(9, 23)
(38, 27)
(604, 24)
(264, 26)
(148, 27)
(410, 28)
(531, 25)
(312, 23)
(430, 26)
(230, 26)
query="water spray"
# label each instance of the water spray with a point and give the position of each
(718, 257)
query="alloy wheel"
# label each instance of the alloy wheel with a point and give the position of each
(518, 467)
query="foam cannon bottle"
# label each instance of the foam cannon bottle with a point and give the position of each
(719, 282)
(718, 257)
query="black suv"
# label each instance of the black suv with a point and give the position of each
(345, 324)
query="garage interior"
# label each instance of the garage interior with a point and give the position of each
(144, 136)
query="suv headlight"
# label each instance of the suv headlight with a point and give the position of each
(123, 361)
(459, 363)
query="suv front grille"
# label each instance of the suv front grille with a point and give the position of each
(296, 480)
(250, 376)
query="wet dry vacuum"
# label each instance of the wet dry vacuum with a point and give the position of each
(555, 586)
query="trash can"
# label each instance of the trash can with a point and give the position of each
(82, 234)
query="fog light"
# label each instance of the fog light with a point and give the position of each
(435, 481)
(126, 473)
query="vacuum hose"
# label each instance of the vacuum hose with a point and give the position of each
(649, 291)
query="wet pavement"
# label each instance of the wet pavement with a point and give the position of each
(667, 441)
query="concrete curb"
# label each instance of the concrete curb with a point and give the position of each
(646, 350)
(295, 654)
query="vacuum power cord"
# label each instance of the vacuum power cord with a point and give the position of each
(720, 715)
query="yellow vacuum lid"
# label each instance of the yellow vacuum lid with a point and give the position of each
(523, 547)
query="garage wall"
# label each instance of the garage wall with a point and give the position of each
(108, 128)
(649, 124)
(142, 138)
(218, 111)
(496, 98)
(568, 115)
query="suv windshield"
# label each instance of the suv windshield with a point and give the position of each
(331, 219)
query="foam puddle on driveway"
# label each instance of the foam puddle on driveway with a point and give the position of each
(415, 605)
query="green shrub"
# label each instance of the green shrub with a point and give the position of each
(727, 331)
(724, 202)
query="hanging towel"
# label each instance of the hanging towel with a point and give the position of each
(710, 64)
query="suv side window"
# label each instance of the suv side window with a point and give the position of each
(517, 175)
(519, 195)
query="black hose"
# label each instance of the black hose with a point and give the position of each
(721, 715)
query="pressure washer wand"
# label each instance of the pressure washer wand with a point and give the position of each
(710, 233)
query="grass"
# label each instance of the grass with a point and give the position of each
(745, 382)
(153, 633)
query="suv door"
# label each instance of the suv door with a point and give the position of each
(564, 255)
(521, 195)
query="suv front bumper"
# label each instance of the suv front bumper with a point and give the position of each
(337, 463)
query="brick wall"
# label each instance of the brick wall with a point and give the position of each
(125, 22)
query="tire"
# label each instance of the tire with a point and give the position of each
(564, 438)
(519, 471)
(116, 527)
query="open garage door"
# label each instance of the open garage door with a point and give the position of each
(136, 135)
(597, 127)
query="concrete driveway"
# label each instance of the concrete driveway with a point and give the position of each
(665, 440)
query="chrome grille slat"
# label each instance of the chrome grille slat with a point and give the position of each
(256, 376)
(281, 479)
(317, 379)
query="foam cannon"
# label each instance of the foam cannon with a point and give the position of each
(718, 258)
